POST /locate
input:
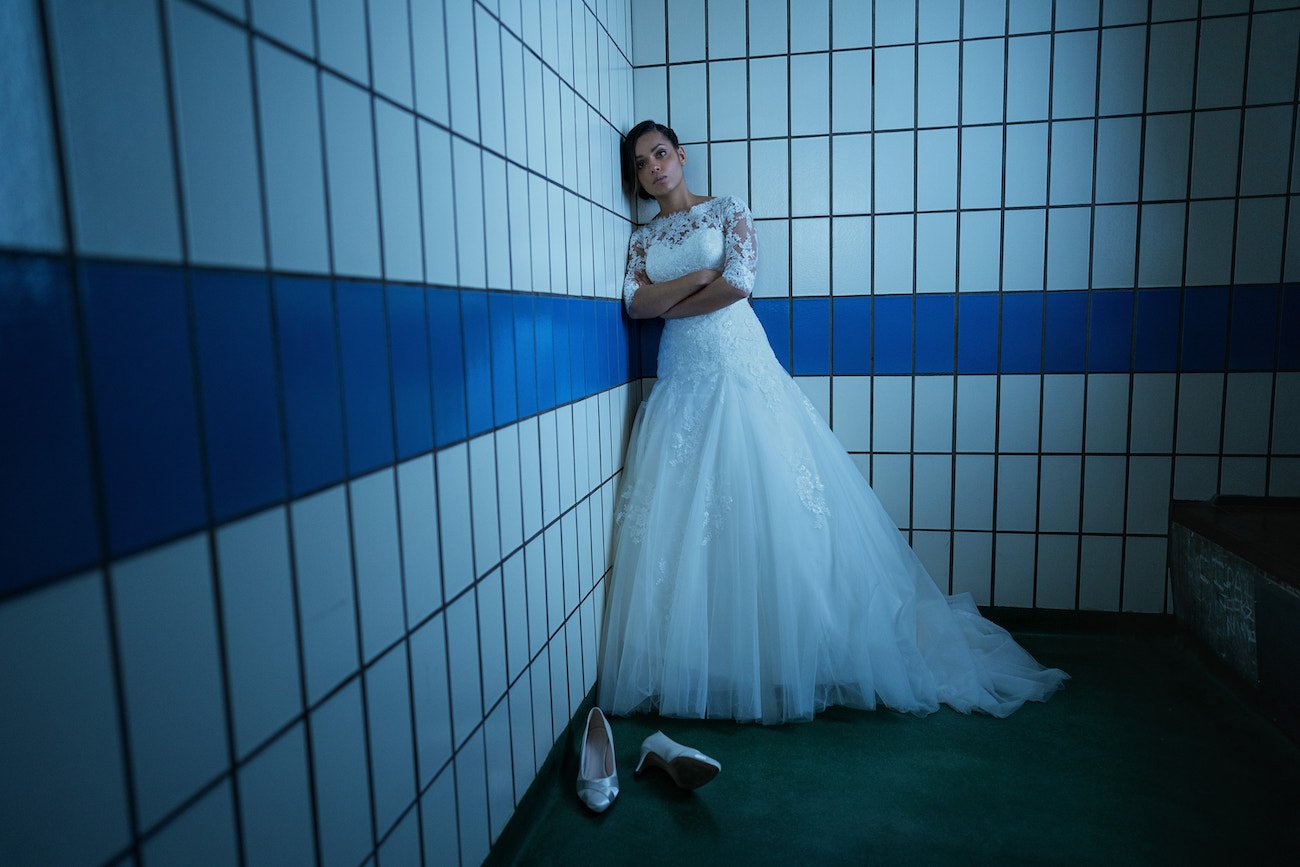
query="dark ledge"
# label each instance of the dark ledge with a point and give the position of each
(1263, 531)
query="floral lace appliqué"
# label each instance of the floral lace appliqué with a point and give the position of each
(717, 505)
(634, 509)
(810, 487)
(685, 442)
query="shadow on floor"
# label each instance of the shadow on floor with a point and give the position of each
(1143, 757)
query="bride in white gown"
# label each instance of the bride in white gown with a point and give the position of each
(756, 575)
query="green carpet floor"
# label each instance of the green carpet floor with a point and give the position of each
(1144, 757)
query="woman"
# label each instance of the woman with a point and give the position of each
(756, 575)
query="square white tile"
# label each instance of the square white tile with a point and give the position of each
(550, 463)
(973, 492)
(1058, 491)
(275, 802)
(500, 770)
(462, 66)
(932, 491)
(521, 734)
(543, 736)
(392, 753)
(564, 436)
(509, 490)
(1200, 402)
(418, 519)
(217, 148)
(535, 578)
(439, 220)
(428, 36)
(1149, 494)
(1106, 428)
(433, 740)
(472, 800)
(261, 635)
(1243, 476)
(1152, 426)
(1062, 413)
(327, 605)
(1013, 569)
(1286, 414)
(554, 549)
(463, 666)
(291, 155)
(342, 793)
(1019, 414)
(378, 559)
(932, 425)
(891, 483)
(207, 826)
(350, 174)
(852, 411)
(118, 161)
(972, 565)
(491, 100)
(491, 637)
(71, 775)
(171, 671)
(438, 813)
(1103, 494)
(976, 412)
(1057, 570)
(483, 499)
(1246, 415)
(399, 190)
(1144, 574)
(891, 413)
(470, 245)
(1099, 573)
(515, 593)
(1017, 492)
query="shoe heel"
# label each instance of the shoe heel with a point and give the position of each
(687, 767)
(640, 762)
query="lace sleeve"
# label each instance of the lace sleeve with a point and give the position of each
(741, 259)
(635, 277)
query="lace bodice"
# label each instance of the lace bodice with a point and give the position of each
(718, 234)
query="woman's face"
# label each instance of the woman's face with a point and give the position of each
(658, 163)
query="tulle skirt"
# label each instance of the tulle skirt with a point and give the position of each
(758, 578)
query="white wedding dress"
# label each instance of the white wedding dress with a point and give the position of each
(756, 575)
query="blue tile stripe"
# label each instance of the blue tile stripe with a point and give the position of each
(205, 383)
(47, 494)
(241, 418)
(309, 364)
(141, 363)
(812, 336)
(1240, 328)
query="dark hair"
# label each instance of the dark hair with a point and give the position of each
(627, 155)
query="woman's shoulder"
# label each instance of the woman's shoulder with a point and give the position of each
(728, 204)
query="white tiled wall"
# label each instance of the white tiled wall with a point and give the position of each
(381, 666)
(895, 148)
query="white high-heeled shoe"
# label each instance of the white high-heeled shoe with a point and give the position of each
(597, 776)
(688, 767)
